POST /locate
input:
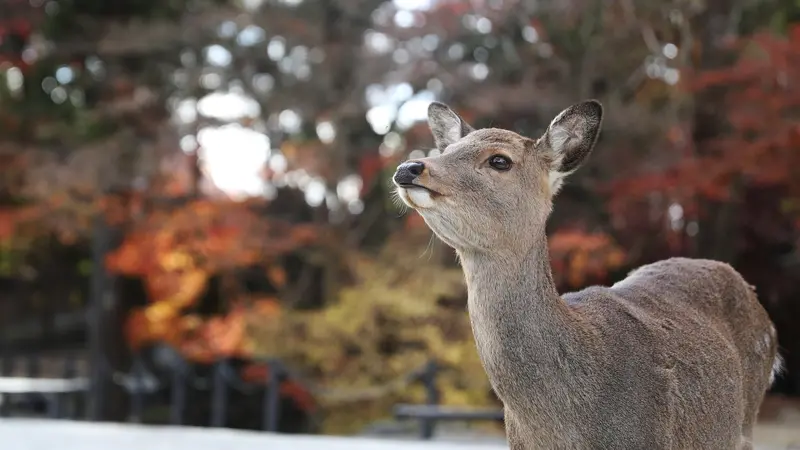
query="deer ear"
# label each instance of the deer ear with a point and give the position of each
(447, 126)
(571, 138)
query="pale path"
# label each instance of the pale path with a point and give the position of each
(34, 434)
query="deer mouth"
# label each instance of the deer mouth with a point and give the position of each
(411, 186)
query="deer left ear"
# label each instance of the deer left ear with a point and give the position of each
(571, 137)
(447, 126)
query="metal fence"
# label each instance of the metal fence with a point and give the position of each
(170, 382)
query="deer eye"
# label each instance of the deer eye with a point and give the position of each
(500, 162)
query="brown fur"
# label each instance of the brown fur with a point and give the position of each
(676, 356)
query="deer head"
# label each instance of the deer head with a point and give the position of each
(490, 189)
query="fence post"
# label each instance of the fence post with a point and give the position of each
(272, 396)
(6, 367)
(177, 394)
(32, 370)
(99, 294)
(219, 399)
(428, 378)
(138, 388)
(70, 372)
(6, 363)
(55, 399)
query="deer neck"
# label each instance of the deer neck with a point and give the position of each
(521, 324)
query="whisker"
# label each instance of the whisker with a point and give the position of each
(428, 247)
(398, 202)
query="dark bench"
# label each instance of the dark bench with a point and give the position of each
(429, 415)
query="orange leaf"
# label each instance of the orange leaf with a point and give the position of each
(159, 313)
(191, 285)
(267, 307)
(277, 276)
(225, 335)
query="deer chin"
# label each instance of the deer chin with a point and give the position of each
(417, 197)
(447, 229)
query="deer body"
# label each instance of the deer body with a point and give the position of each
(676, 356)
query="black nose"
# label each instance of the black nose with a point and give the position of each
(408, 171)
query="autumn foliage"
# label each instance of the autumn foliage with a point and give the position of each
(175, 252)
(580, 258)
(402, 310)
(759, 146)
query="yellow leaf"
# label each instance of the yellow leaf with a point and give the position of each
(173, 261)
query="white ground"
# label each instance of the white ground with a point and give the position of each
(38, 434)
(35, 434)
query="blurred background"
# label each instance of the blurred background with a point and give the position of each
(195, 196)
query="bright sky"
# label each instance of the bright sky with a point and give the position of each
(233, 156)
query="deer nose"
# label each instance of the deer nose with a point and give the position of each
(408, 171)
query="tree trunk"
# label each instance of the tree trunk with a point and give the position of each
(717, 220)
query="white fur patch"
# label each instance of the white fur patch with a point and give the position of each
(416, 198)
(420, 197)
(558, 117)
(777, 363)
(777, 368)
(556, 180)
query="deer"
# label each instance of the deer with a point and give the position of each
(677, 355)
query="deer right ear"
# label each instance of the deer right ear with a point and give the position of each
(447, 126)
(571, 138)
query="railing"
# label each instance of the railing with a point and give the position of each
(430, 415)
(61, 396)
(140, 383)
